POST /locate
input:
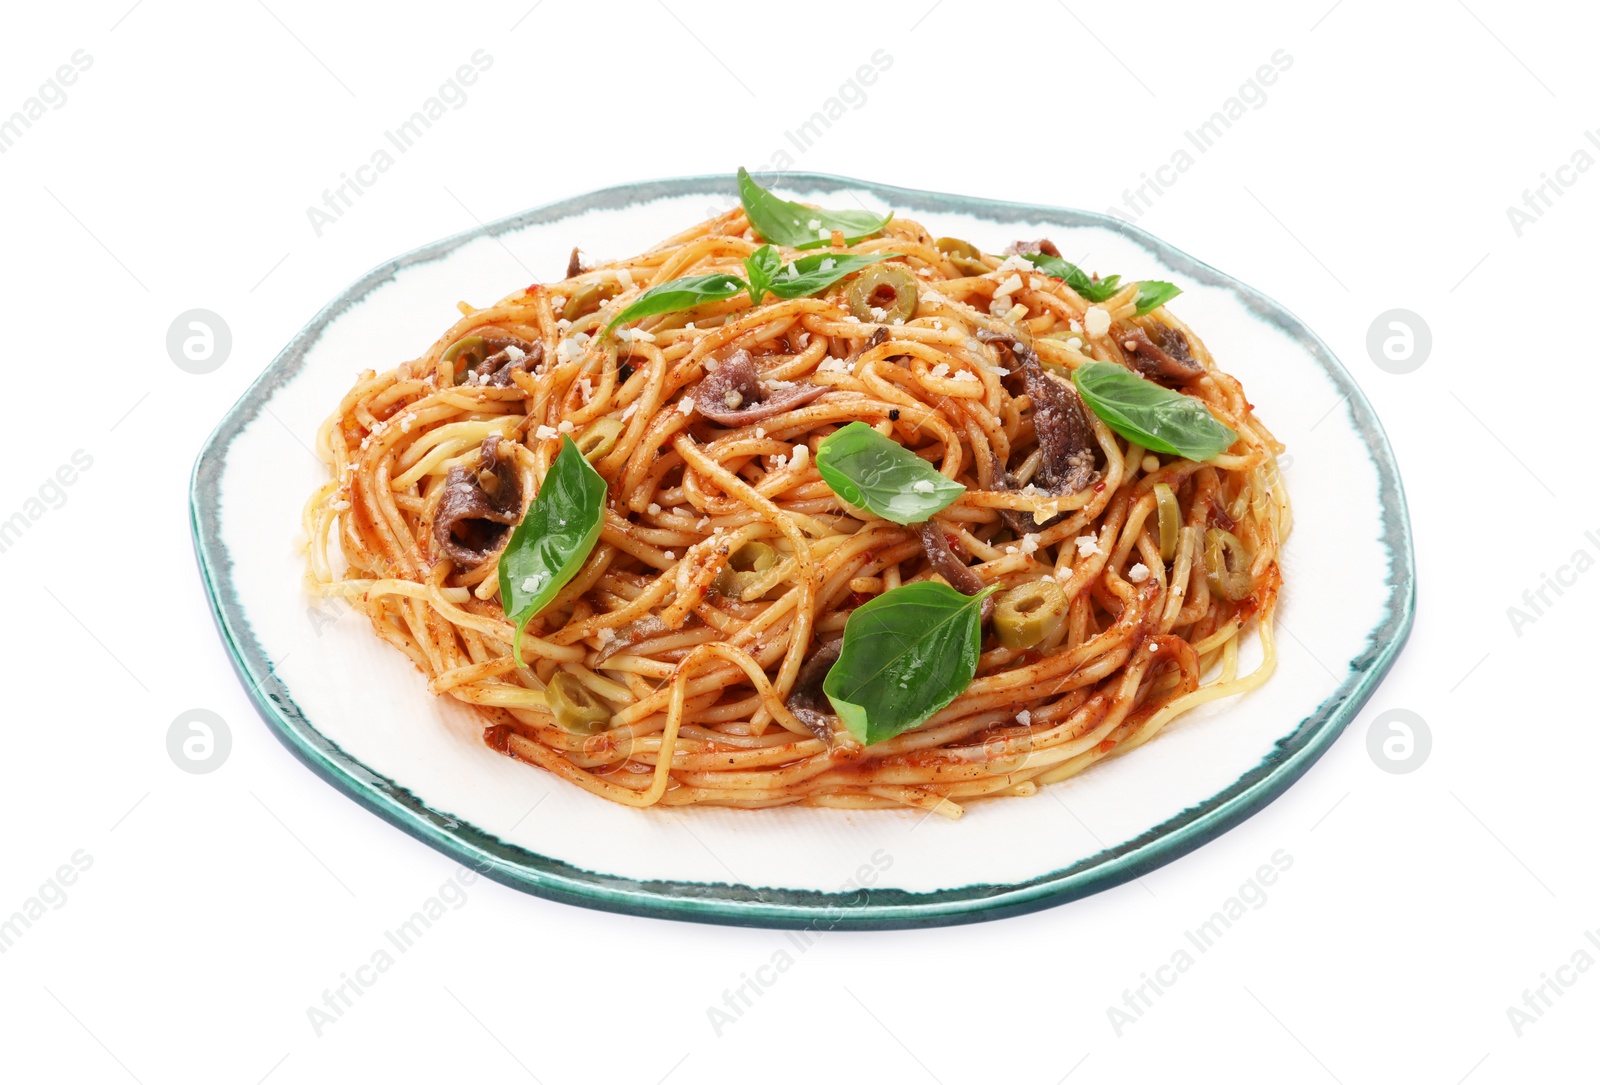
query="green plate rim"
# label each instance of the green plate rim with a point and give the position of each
(720, 902)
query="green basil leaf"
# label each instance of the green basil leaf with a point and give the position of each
(815, 273)
(785, 223)
(906, 654)
(761, 266)
(1157, 418)
(1088, 289)
(679, 294)
(1153, 292)
(554, 538)
(868, 470)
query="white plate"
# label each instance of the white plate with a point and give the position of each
(419, 761)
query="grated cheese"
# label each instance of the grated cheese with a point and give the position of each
(1139, 573)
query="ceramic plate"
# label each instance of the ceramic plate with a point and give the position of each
(417, 760)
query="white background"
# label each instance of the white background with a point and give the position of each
(1376, 175)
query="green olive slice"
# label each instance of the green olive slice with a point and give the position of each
(574, 707)
(598, 438)
(892, 291)
(1169, 519)
(1029, 613)
(746, 565)
(1227, 565)
(963, 254)
(589, 297)
(463, 355)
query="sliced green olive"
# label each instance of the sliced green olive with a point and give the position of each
(471, 345)
(746, 565)
(1029, 613)
(963, 254)
(463, 354)
(1227, 565)
(589, 297)
(573, 706)
(890, 290)
(1169, 519)
(599, 438)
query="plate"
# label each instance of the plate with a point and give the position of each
(358, 713)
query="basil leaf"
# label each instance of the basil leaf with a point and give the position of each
(761, 266)
(1153, 292)
(906, 654)
(1074, 276)
(1157, 418)
(868, 470)
(677, 295)
(554, 538)
(815, 273)
(785, 223)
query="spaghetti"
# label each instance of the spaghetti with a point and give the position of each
(700, 675)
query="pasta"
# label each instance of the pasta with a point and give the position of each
(682, 660)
